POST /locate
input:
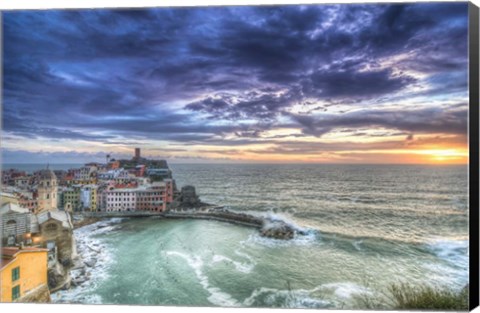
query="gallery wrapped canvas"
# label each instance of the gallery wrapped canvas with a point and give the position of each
(316, 156)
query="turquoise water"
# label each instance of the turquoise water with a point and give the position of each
(368, 227)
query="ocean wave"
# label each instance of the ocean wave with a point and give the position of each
(245, 256)
(239, 266)
(217, 296)
(298, 299)
(322, 296)
(356, 244)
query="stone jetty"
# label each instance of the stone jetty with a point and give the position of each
(268, 227)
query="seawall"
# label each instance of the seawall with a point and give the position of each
(267, 227)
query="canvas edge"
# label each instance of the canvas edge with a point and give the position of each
(473, 27)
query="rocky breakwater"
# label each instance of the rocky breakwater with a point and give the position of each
(268, 227)
(279, 229)
(187, 204)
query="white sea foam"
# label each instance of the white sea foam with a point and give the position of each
(217, 296)
(356, 244)
(298, 240)
(322, 296)
(454, 253)
(245, 256)
(241, 267)
(89, 248)
(344, 290)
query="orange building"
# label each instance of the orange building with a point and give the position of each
(23, 275)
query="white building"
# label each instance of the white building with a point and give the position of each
(114, 174)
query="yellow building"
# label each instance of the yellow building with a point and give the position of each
(23, 275)
(90, 181)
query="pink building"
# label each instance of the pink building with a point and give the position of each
(153, 198)
(120, 200)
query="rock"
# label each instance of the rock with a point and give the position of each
(79, 281)
(67, 262)
(91, 262)
(278, 230)
(56, 276)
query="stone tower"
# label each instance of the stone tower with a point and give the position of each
(47, 191)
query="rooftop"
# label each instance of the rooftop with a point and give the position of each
(12, 207)
(47, 174)
(9, 253)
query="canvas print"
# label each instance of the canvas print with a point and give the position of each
(294, 156)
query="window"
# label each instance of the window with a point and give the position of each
(15, 292)
(16, 273)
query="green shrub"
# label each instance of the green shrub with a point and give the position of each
(407, 297)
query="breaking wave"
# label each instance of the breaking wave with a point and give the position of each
(322, 296)
(217, 296)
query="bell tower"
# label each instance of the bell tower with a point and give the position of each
(47, 191)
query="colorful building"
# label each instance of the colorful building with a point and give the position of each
(88, 197)
(27, 201)
(143, 198)
(71, 198)
(23, 275)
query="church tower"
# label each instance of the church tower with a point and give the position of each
(47, 191)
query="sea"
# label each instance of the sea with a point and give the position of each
(367, 227)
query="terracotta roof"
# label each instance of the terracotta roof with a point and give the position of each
(5, 261)
(9, 253)
(12, 251)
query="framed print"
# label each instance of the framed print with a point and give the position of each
(301, 156)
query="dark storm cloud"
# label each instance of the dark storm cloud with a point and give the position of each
(258, 105)
(69, 74)
(345, 84)
(428, 120)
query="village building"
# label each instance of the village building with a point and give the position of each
(17, 224)
(27, 200)
(9, 176)
(70, 198)
(8, 197)
(56, 234)
(85, 174)
(88, 197)
(121, 200)
(22, 181)
(153, 197)
(23, 275)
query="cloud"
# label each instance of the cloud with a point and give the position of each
(425, 120)
(200, 75)
(252, 104)
(353, 84)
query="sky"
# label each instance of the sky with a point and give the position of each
(347, 83)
